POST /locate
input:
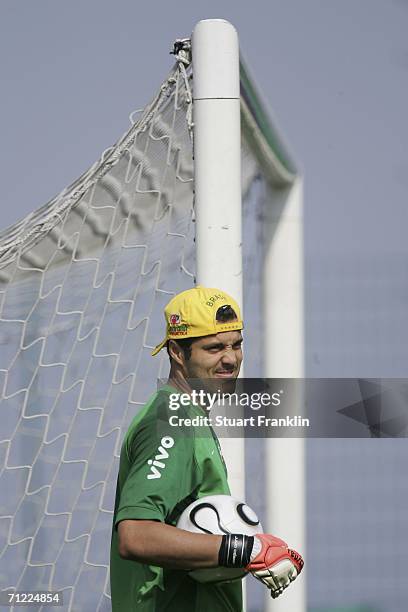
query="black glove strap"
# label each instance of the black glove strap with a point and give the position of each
(235, 550)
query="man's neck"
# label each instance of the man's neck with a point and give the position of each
(178, 381)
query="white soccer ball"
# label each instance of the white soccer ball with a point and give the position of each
(219, 514)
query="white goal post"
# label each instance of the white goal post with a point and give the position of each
(217, 180)
(184, 196)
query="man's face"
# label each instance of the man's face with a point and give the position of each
(217, 359)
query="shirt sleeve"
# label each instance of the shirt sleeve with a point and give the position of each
(163, 469)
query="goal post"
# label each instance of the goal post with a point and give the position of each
(183, 197)
(217, 181)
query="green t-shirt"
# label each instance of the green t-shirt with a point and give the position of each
(162, 470)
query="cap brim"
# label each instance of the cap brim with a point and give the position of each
(159, 347)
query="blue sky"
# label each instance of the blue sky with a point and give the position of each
(334, 72)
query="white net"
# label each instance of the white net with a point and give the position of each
(83, 283)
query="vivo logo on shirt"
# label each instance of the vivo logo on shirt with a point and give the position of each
(157, 464)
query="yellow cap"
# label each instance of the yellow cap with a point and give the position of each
(199, 312)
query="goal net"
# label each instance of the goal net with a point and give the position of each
(83, 284)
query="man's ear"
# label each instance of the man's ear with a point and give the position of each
(176, 352)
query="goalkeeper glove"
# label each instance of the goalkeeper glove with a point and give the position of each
(273, 563)
(264, 556)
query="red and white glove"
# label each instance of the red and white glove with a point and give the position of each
(273, 563)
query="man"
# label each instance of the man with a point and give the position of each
(163, 469)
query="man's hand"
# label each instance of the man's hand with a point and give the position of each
(273, 563)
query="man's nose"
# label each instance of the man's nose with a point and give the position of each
(229, 357)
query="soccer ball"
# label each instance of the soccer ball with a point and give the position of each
(219, 514)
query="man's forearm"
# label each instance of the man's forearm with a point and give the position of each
(159, 544)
